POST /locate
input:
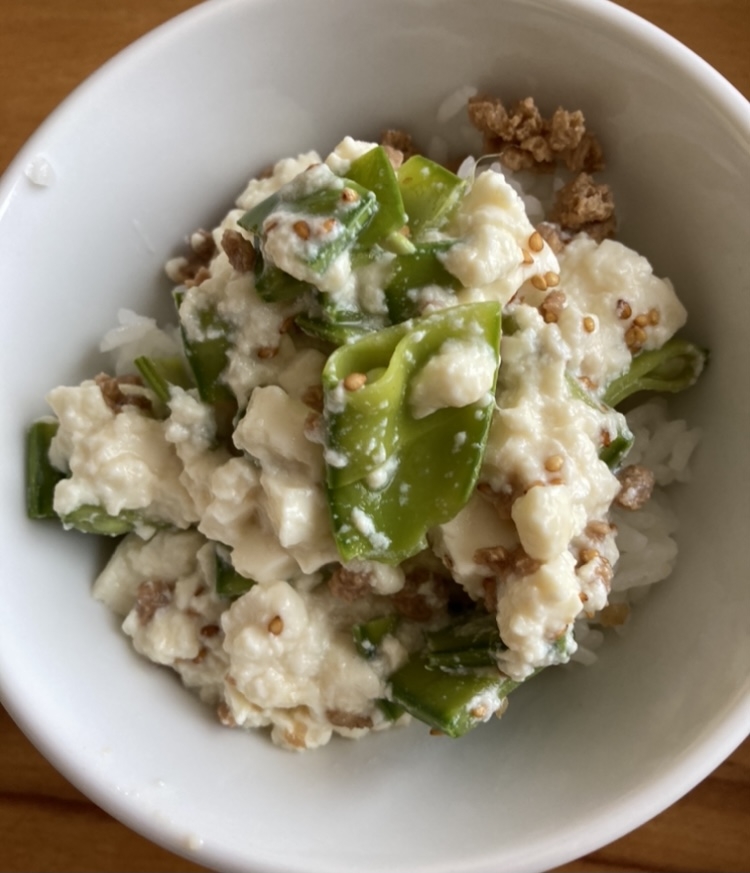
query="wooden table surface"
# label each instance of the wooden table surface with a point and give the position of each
(47, 47)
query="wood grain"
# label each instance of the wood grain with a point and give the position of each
(47, 47)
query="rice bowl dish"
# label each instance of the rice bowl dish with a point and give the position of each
(345, 500)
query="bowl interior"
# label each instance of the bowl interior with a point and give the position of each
(158, 144)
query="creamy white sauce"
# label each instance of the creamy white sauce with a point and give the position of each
(282, 654)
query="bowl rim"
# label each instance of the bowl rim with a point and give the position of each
(719, 739)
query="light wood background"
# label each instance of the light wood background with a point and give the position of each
(47, 47)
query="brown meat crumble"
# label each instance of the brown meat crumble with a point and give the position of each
(399, 146)
(191, 270)
(525, 140)
(584, 205)
(117, 399)
(636, 485)
(239, 251)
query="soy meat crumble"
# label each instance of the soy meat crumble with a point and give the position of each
(343, 500)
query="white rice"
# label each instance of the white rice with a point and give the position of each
(648, 550)
(137, 335)
(455, 103)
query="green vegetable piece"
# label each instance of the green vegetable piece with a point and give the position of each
(468, 632)
(230, 583)
(336, 333)
(160, 373)
(374, 171)
(615, 452)
(392, 711)
(461, 659)
(674, 367)
(450, 702)
(323, 222)
(450, 682)
(274, 285)
(207, 357)
(95, 520)
(429, 192)
(370, 634)
(398, 243)
(253, 219)
(41, 476)
(471, 641)
(412, 272)
(390, 476)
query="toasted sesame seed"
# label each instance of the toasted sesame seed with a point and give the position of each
(265, 352)
(200, 657)
(623, 310)
(539, 283)
(635, 337)
(349, 195)
(552, 278)
(312, 427)
(536, 242)
(640, 320)
(328, 225)
(479, 712)
(589, 325)
(598, 528)
(224, 714)
(354, 381)
(554, 463)
(654, 316)
(587, 555)
(614, 614)
(276, 625)
(502, 707)
(312, 396)
(527, 256)
(302, 229)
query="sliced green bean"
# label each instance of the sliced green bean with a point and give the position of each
(41, 476)
(374, 171)
(230, 583)
(617, 449)
(674, 367)
(449, 702)
(274, 285)
(429, 192)
(391, 477)
(160, 373)
(328, 221)
(412, 272)
(370, 634)
(95, 520)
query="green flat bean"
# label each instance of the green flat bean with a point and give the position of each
(41, 476)
(674, 367)
(429, 192)
(373, 171)
(433, 461)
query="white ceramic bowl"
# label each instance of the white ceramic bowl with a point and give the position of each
(158, 143)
